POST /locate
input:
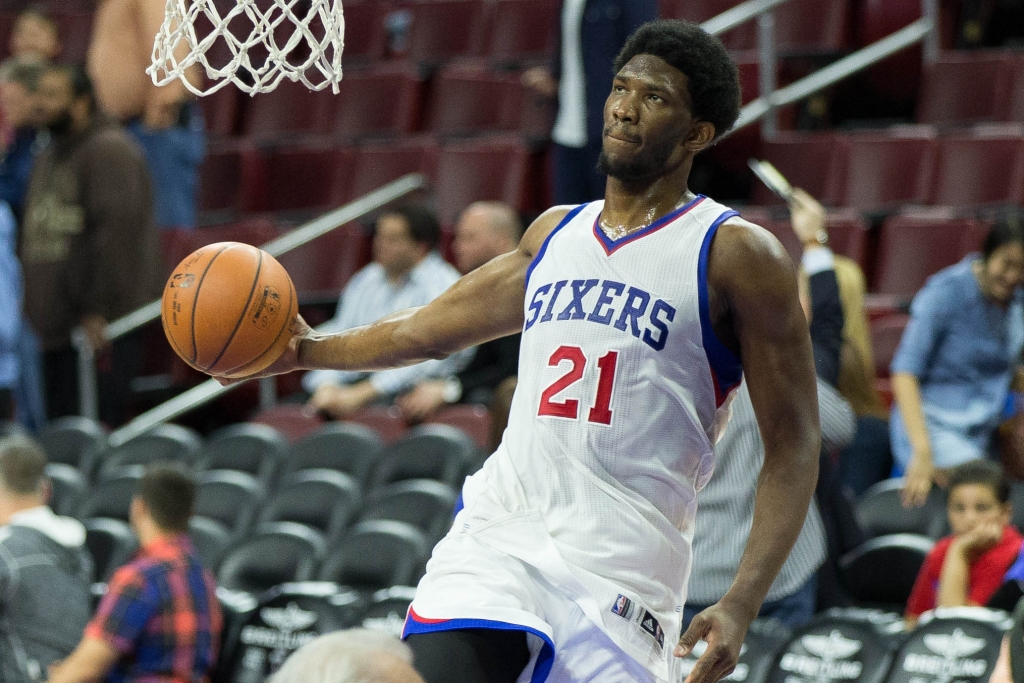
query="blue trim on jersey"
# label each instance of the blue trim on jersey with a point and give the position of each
(611, 245)
(544, 247)
(726, 369)
(545, 658)
(459, 504)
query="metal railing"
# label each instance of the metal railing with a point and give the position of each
(763, 108)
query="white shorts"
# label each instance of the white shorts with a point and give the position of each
(470, 584)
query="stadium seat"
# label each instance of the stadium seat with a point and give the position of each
(430, 36)
(764, 640)
(232, 178)
(256, 449)
(886, 333)
(210, 538)
(848, 644)
(961, 640)
(277, 553)
(847, 232)
(68, 440)
(321, 268)
(111, 498)
(811, 26)
(165, 442)
(474, 420)
(306, 177)
(67, 485)
(324, 500)
(75, 30)
(387, 421)
(381, 163)
(978, 169)
(229, 497)
(344, 447)
(484, 169)
(284, 619)
(422, 503)
(963, 87)
(111, 544)
(884, 170)
(364, 30)
(913, 247)
(290, 420)
(375, 555)
(880, 572)
(290, 109)
(1013, 107)
(177, 244)
(430, 451)
(221, 112)
(880, 512)
(468, 99)
(384, 100)
(813, 161)
(387, 609)
(521, 31)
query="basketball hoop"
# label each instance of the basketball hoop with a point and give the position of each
(251, 47)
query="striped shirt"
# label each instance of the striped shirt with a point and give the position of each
(726, 505)
(369, 296)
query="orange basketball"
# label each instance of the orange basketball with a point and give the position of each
(228, 309)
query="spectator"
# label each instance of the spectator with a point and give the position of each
(952, 371)
(726, 516)
(11, 319)
(160, 619)
(967, 567)
(485, 231)
(407, 271)
(44, 568)
(18, 89)
(88, 246)
(166, 121)
(354, 656)
(35, 39)
(590, 35)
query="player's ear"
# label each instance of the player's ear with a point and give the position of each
(700, 136)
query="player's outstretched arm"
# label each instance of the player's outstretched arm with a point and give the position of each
(755, 282)
(483, 305)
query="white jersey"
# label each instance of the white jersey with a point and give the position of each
(622, 393)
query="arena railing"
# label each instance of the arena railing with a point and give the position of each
(763, 108)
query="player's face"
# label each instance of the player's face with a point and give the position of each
(971, 505)
(393, 246)
(647, 119)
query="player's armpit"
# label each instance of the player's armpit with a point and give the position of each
(483, 305)
(750, 269)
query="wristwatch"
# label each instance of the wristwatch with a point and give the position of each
(821, 237)
(452, 390)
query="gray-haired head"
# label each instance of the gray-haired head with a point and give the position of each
(353, 656)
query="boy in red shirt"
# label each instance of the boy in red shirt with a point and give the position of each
(967, 567)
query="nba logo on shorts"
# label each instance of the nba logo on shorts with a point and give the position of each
(623, 607)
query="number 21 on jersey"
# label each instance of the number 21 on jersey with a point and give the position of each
(601, 411)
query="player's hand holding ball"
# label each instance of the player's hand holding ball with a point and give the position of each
(230, 310)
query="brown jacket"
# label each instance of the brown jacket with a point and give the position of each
(88, 242)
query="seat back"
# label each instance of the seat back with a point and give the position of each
(375, 555)
(977, 169)
(67, 440)
(885, 170)
(521, 30)
(255, 449)
(813, 161)
(384, 100)
(210, 538)
(880, 512)
(345, 447)
(423, 503)
(277, 553)
(67, 485)
(951, 643)
(111, 544)
(485, 169)
(290, 420)
(431, 38)
(230, 498)
(111, 498)
(962, 87)
(881, 571)
(324, 500)
(431, 451)
(166, 442)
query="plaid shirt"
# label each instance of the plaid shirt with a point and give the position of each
(161, 613)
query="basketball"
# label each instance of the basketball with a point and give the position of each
(227, 309)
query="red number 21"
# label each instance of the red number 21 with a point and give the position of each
(601, 412)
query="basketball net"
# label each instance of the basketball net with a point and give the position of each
(255, 48)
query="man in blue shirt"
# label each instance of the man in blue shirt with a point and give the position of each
(406, 272)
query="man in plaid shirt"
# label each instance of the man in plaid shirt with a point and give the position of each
(160, 621)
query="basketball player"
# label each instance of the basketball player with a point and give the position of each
(569, 556)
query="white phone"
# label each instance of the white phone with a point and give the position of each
(770, 176)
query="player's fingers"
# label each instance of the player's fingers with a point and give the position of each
(697, 630)
(712, 666)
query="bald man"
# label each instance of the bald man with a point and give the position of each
(484, 230)
(354, 656)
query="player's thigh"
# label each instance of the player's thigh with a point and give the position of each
(470, 655)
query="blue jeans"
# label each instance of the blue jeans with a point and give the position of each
(794, 610)
(28, 394)
(174, 156)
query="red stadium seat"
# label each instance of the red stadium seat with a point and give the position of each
(231, 178)
(387, 422)
(486, 169)
(474, 420)
(979, 169)
(75, 30)
(307, 177)
(364, 30)
(468, 99)
(321, 268)
(913, 247)
(963, 87)
(884, 169)
(380, 101)
(885, 339)
(290, 420)
(847, 231)
(521, 30)
(1013, 105)
(442, 29)
(290, 109)
(813, 161)
(177, 244)
(379, 164)
(221, 111)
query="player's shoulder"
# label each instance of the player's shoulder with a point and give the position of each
(542, 227)
(740, 244)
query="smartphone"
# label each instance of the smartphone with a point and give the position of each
(770, 176)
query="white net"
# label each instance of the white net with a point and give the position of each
(253, 45)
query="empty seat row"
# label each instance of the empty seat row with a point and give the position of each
(882, 169)
(965, 87)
